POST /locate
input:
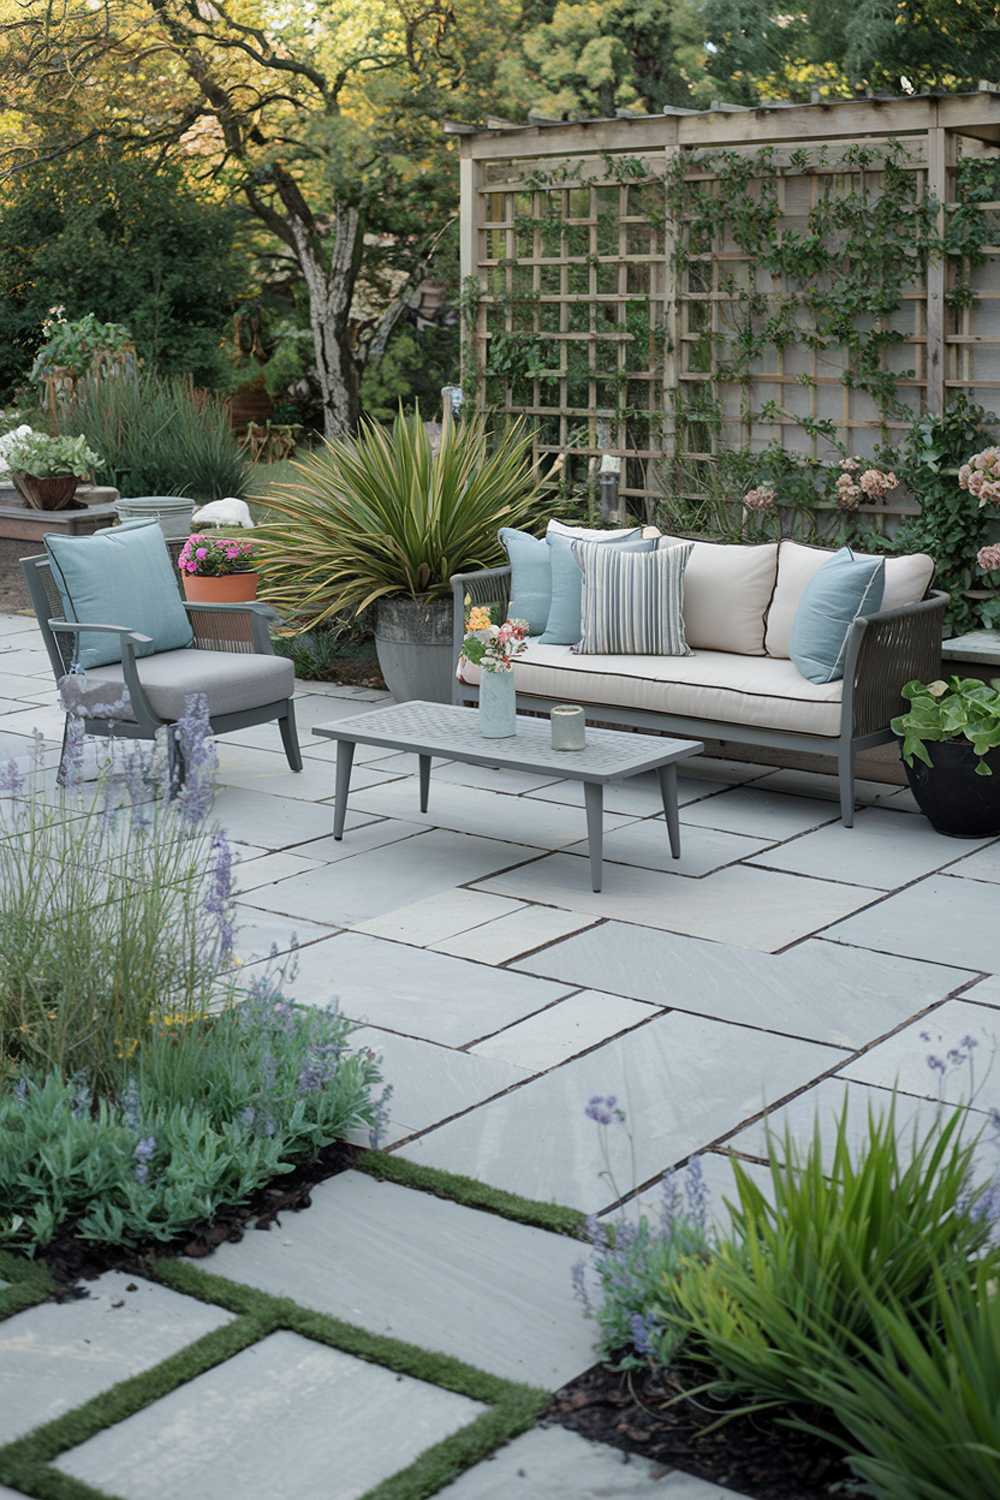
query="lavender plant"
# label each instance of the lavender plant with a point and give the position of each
(212, 1109)
(636, 1258)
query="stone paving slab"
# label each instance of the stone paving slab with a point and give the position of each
(884, 849)
(430, 1083)
(286, 1417)
(470, 810)
(717, 1173)
(573, 1025)
(552, 1463)
(371, 1253)
(526, 928)
(55, 1356)
(983, 865)
(901, 1061)
(432, 919)
(682, 1080)
(429, 995)
(760, 814)
(739, 905)
(935, 920)
(824, 991)
(702, 849)
(259, 932)
(380, 880)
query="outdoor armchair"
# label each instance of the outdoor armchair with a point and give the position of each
(230, 660)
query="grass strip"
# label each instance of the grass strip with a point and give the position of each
(466, 1190)
(23, 1462)
(429, 1365)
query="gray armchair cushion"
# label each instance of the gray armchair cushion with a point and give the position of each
(232, 681)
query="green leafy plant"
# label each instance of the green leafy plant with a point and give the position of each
(386, 514)
(795, 1281)
(211, 1108)
(158, 438)
(962, 708)
(42, 456)
(76, 346)
(921, 1401)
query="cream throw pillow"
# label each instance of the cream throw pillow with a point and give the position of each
(727, 591)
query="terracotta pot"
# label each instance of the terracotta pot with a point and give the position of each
(53, 492)
(231, 588)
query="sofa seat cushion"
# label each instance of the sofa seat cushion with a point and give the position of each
(232, 681)
(907, 580)
(725, 686)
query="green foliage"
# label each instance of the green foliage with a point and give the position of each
(157, 438)
(794, 1285)
(341, 650)
(963, 708)
(126, 239)
(210, 1112)
(387, 515)
(950, 526)
(42, 456)
(922, 1402)
(74, 346)
(411, 372)
(105, 921)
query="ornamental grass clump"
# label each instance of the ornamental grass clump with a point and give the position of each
(387, 514)
(140, 1089)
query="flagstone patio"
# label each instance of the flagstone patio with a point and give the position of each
(783, 960)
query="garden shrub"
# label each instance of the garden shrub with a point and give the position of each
(793, 1284)
(156, 437)
(922, 1403)
(139, 1090)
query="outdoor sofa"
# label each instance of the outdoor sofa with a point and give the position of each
(739, 684)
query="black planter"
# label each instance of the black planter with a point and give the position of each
(950, 794)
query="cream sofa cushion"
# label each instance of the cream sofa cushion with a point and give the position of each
(727, 591)
(907, 580)
(723, 686)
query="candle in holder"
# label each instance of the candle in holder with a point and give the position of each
(569, 727)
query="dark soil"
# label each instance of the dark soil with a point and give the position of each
(755, 1456)
(71, 1259)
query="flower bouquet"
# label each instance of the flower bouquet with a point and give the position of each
(493, 649)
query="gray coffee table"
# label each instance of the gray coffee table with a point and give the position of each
(438, 729)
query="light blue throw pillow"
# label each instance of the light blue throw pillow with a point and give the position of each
(530, 578)
(563, 627)
(120, 576)
(843, 588)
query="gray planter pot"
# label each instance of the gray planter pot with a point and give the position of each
(413, 641)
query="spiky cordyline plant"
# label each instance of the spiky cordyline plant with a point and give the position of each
(383, 514)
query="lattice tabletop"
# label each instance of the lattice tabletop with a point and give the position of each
(451, 733)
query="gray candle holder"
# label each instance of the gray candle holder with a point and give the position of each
(569, 727)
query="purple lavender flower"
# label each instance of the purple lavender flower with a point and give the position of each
(219, 899)
(697, 1194)
(143, 1155)
(644, 1330)
(580, 1292)
(198, 753)
(130, 1104)
(603, 1109)
(21, 1090)
(381, 1118)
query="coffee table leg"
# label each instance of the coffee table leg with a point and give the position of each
(345, 759)
(593, 794)
(425, 781)
(668, 791)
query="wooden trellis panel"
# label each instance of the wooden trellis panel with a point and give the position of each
(578, 317)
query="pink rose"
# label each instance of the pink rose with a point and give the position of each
(988, 557)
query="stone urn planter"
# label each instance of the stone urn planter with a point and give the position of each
(413, 639)
(229, 588)
(53, 492)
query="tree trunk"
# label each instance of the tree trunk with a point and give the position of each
(330, 285)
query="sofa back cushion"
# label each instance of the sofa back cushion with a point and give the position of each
(120, 576)
(907, 580)
(727, 590)
(632, 600)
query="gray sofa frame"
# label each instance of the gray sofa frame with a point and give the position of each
(234, 628)
(884, 651)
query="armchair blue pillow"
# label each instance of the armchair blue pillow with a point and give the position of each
(843, 588)
(564, 626)
(120, 576)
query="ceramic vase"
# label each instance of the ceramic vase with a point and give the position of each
(497, 712)
(569, 727)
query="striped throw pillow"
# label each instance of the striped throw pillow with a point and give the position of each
(633, 602)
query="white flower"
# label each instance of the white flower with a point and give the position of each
(7, 441)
